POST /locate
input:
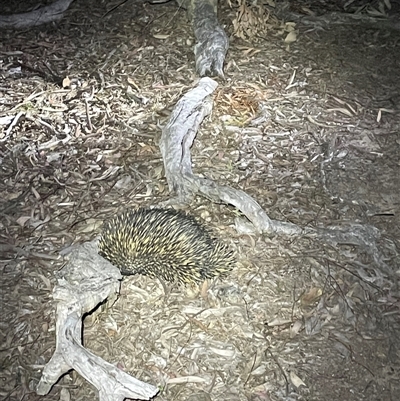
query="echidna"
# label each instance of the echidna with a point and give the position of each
(164, 243)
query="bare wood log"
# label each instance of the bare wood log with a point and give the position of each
(43, 15)
(85, 282)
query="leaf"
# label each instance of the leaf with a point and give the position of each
(66, 82)
(311, 296)
(161, 36)
(295, 328)
(388, 4)
(296, 381)
(22, 220)
(291, 37)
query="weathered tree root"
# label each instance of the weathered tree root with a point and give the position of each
(176, 140)
(85, 282)
(212, 42)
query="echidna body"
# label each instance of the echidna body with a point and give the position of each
(164, 243)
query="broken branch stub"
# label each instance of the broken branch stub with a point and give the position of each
(85, 282)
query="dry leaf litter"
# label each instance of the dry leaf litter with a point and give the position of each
(309, 128)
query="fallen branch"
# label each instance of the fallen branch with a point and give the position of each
(85, 282)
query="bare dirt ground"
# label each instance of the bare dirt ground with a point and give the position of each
(310, 129)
